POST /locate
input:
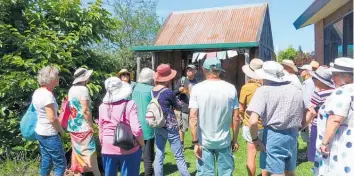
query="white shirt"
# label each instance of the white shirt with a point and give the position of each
(215, 101)
(40, 99)
(80, 92)
(294, 80)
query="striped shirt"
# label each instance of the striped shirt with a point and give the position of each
(317, 100)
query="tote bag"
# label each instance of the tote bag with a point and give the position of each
(28, 124)
(64, 113)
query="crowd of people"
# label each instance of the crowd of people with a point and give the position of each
(273, 107)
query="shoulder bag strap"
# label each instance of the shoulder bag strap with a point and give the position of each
(124, 110)
(158, 95)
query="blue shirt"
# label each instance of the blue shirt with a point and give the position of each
(215, 101)
(308, 88)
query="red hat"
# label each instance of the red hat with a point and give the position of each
(164, 73)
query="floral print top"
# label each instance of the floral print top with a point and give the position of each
(77, 122)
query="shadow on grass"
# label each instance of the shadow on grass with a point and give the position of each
(170, 169)
(301, 156)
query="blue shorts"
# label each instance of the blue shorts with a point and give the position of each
(281, 150)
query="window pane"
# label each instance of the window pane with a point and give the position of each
(333, 36)
(348, 35)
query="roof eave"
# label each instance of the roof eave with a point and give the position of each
(195, 46)
(318, 10)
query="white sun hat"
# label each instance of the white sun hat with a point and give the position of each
(272, 71)
(82, 75)
(146, 76)
(306, 67)
(116, 90)
(343, 65)
(324, 75)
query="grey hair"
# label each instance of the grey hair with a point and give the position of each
(47, 75)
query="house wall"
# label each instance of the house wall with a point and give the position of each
(174, 58)
(319, 29)
(233, 66)
(266, 47)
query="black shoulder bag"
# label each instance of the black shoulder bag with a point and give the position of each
(123, 135)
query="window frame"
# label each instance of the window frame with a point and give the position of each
(326, 62)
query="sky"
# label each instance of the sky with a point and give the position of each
(283, 13)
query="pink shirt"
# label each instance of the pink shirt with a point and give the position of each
(108, 125)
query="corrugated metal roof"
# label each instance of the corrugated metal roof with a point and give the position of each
(233, 24)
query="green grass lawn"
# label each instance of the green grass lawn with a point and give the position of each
(170, 168)
(31, 168)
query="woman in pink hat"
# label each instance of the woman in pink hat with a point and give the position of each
(168, 101)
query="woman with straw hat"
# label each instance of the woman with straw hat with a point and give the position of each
(247, 92)
(168, 101)
(115, 109)
(80, 125)
(336, 135)
(125, 76)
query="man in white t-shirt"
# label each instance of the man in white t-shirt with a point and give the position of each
(213, 107)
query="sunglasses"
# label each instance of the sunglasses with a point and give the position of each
(125, 74)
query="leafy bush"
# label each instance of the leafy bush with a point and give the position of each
(36, 33)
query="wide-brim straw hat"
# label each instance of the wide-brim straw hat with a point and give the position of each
(116, 90)
(315, 64)
(324, 75)
(250, 69)
(164, 73)
(343, 65)
(124, 71)
(272, 71)
(82, 75)
(290, 63)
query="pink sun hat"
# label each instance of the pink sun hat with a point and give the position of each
(164, 73)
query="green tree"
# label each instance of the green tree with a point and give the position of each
(288, 53)
(139, 26)
(36, 33)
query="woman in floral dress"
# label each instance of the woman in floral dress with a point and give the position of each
(80, 126)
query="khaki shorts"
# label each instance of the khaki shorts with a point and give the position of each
(246, 134)
(183, 120)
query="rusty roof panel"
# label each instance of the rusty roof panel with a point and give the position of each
(217, 25)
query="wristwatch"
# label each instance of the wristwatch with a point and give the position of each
(324, 144)
(253, 140)
(195, 142)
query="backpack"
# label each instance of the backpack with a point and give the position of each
(154, 114)
(28, 124)
(64, 113)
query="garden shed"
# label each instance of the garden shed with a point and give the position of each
(234, 34)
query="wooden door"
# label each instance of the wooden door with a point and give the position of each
(234, 74)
